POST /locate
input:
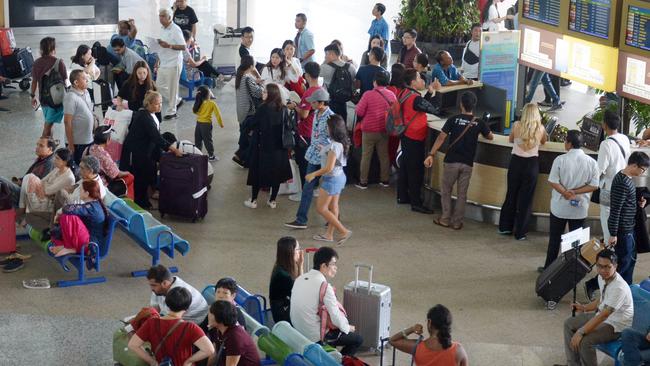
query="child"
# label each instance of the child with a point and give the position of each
(82, 223)
(204, 108)
(333, 159)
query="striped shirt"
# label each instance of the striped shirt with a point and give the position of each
(248, 89)
(622, 206)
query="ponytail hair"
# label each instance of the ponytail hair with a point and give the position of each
(440, 319)
(202, 94)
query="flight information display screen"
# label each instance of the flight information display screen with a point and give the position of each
(545, 11)
(638, 27)
(590, 17)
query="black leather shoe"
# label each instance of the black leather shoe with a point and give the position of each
(402, 202)
(422, 209)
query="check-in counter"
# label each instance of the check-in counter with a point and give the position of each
(487, 189)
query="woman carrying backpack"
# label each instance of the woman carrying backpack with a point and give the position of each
(248, 94)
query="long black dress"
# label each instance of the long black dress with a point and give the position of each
(269, 160)
(141, 149)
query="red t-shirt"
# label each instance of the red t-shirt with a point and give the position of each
(236, 342)
(304, 125)
(154, 330)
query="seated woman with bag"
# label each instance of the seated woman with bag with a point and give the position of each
(172, 338)
(120, 183)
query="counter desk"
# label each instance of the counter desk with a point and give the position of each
(487, 189)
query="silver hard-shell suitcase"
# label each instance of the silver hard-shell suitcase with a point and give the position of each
(368, 308)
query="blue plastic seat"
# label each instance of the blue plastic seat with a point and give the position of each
(88, 261)
(641, 322)
(190, 81)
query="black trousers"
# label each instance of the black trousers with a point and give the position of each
(255, 190)
(516, 209)
(78, 152)
(350, 342)
(556, 229)
(340, 108)
(203, 134)
(411, 172)
(299, 154)
(208, 70)
(243, 151)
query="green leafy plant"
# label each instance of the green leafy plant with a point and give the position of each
(640, 114)
(445, 21)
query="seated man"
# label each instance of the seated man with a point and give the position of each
(602, 320)
(43, 164)
(305, 299)
(226, 290)
(234, 346)
(446, 72)
(633, 343)
(161, 281)
(128, 59)
(193, 59)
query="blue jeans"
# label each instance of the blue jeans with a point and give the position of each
(626, 253)
(633, 343)
(307, 195)
(546, 81)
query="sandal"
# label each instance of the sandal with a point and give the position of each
(439, 222)
(321, 237)
(344, 239)
(457, 226)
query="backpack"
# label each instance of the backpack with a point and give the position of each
(52, 87)
(341, 86)
(325, 320)
(395, 116)
(100, 53)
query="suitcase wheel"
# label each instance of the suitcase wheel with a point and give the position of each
(24, 84)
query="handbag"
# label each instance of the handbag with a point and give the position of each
(595, 195)
(288, 140)
(118, 187)
(167, 360)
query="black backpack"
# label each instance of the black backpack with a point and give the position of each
(52, 87)
(100, 53)
(341, 86)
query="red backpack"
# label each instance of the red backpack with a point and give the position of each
(395, 124)
(353, 361)
(325, 321)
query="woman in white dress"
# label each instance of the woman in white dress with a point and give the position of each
(492, 19)
(293, 79)
(275, 71)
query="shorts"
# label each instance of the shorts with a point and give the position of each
(333, 184)
(52, 115)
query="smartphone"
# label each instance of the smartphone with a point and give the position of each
(38, 105)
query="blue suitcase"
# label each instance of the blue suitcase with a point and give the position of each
(19, 63)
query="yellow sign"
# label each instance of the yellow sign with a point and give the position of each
(590, 63)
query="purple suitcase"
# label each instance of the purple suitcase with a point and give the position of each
(184, 185)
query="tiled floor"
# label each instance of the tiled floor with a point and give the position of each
(486, 280)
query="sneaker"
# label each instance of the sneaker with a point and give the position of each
(180, 104)
(272, 204)
(555, 107)
(170, 116)
(296, 197)
(37, 284)
(13, 265)
(361, 185)
(544, 104)
(521, 238)
(295, 225)
(504, 232)
(384, 184)
(238, 161)
(213, 158)
(250, 203)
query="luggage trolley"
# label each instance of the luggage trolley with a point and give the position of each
(17, 68)
(225, 52)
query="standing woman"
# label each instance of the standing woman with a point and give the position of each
(135, 87)
(527, 135)
(275, 72)
(269, 159)
(84, 60)
(333, 159)
(289, 260)
(293, 79)
(248, 94)
(375, 41)
(492, 19)
(142, 147)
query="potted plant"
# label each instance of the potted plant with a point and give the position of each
(640, 115)
(396, 42)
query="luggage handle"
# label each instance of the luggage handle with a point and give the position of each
(357, 266)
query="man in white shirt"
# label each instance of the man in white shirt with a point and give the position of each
(573, 177)
(161, 281)
(305, 298)
(612, 158)
(603, 320)
(472, 54)
(171, 62)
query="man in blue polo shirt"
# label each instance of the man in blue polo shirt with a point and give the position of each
(379, 25)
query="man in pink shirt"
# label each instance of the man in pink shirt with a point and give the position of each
(372, 110)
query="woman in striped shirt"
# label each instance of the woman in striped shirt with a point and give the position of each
(248, 93)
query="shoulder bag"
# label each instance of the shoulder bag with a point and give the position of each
(167, 360)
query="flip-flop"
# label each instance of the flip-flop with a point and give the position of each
(439, 223)
(344, 239)
(320, 237)
(457, 227)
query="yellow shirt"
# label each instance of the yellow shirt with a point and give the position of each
(204, 115)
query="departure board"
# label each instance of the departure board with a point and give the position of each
(545, 11)
(638, 27)
(590, 17)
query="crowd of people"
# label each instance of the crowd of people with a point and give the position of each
(284, 113)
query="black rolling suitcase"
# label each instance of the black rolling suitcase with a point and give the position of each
(561, 276)
(103, 96)
(184, 185)
(19, 63)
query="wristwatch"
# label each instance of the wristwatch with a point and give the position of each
(32, 95)
(581, 331)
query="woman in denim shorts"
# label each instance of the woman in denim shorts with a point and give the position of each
(333, 159)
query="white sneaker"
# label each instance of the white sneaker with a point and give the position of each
(250, 204)
(272, 204)
(315, 193)
(296, 197)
